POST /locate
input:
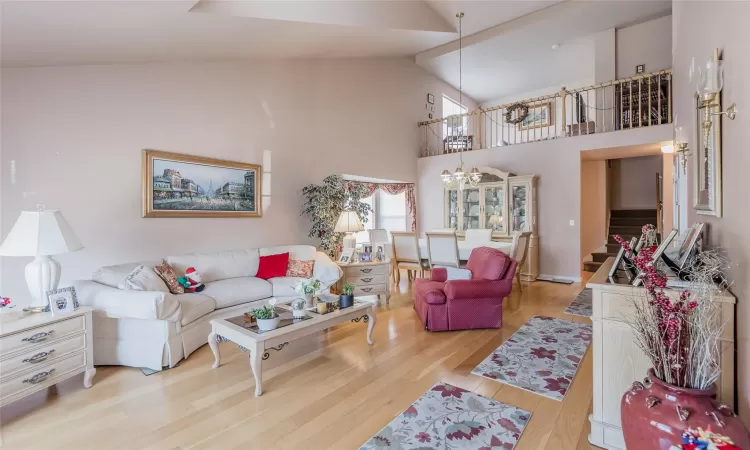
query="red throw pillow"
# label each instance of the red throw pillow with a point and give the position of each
(273, 266)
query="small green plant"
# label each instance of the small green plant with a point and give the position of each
(264, 313)
(348, 289)
(308, 286)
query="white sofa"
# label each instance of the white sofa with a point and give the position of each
(157, 329)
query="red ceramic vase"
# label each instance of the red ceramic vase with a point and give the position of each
(655, 414)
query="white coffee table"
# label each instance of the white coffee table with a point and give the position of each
(258, 344)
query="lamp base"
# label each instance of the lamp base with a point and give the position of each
(350, 240)
(42, 275)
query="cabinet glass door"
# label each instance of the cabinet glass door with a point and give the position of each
(494, 199)
(472, 211)
(519, 207)
(452, 209)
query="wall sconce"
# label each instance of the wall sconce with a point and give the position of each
(682, 151)
(710, 84)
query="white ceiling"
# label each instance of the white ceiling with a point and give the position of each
(68, 32)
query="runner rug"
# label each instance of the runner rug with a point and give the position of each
(581, 305)
(450, 417)
(542, 356)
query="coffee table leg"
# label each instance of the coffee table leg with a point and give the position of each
(215, 349)
(256, 355)
(370, 325)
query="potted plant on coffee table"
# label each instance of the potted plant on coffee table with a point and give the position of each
(266, 317)
(308, 287)
(346, 299)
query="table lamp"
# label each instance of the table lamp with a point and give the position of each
(349, 223)
(40, 233)
(494, 221)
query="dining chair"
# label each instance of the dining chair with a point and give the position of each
(519, 250)
(442, 250)
(478, 236)
(406, 254)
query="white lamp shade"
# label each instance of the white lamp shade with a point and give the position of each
(40, 233)
(348, 222)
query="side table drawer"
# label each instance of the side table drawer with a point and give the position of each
(48, 372)
(41, 355)
(370, 290)
(48, 332)
(364, 270)
(364, 280)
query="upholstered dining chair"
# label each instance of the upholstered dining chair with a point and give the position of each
(519, 250)
(442, 249)
(406, 254)
(478, 236)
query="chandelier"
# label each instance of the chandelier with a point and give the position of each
(459, 177)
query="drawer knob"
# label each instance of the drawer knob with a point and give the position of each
(367, 280)
(366, 270)
(38, 337)
(39, 357)
(367, 289)
(40, 377)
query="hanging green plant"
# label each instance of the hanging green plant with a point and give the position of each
(521, 111)
(323, 203)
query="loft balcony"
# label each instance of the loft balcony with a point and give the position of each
(630, 103)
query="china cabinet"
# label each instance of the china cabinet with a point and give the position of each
(502, 201)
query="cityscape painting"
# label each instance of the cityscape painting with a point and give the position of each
(177, 185)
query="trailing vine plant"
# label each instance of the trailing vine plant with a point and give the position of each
(323, 203)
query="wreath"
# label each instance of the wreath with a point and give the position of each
(521, 110)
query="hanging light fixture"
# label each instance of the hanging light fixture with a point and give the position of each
(459, 177)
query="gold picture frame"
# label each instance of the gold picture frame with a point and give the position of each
(540, 116)
(180, 185)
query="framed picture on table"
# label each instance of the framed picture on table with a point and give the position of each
(346, 256)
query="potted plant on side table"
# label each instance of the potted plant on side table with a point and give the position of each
(308, 287)
(266, 317)
(346, 299)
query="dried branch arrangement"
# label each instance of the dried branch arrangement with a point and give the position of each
(681, 337)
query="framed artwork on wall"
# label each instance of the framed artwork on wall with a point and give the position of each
(178, 185)
(539, 116)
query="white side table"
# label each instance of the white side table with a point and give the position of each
(38, 350)
(368, 278)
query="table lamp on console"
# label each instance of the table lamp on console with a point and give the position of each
(349, 223)
(40, 234)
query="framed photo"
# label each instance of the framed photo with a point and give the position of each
(540, 116)
(62, 301)
(177, 185)
(346, 256)
(616, 264)
(379, 253)
(365, 257)
(688, 245)
(430, 99)
(366, 248)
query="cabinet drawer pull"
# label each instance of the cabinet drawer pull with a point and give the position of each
(367, 280)
(38, 337)
(367, 289)
(39, 357)
(366, 270)
(40, 377)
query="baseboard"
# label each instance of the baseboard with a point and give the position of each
(545, 277)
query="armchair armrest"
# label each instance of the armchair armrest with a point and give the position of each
(474, 289)
(325, 270)
(439, 274)
(121, 304)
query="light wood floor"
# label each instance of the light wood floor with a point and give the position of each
(333, 398)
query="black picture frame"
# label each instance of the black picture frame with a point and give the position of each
(430, 99)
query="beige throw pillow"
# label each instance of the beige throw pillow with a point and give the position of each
(143, 278)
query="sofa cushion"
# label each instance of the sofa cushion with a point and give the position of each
(305, 252)
(143, 278)
(167, 273)
(272, 266)
(237, 290)
(112, 276)
(284, 286)
(194, 306)
(216, 266)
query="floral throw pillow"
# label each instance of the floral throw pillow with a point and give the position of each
(300, 268)
(167, 273)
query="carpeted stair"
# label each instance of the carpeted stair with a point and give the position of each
(625, 222)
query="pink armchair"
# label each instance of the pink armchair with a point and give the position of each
(445, 305)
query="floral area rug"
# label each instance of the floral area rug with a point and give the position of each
(581, 305)
(541, 357)
(448, 417)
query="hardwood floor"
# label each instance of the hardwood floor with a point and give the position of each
(333, 398)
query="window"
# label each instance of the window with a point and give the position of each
(389, 212)
(454, 127)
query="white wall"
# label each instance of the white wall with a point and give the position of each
(648, 43)
(633, 182)
(72, 139)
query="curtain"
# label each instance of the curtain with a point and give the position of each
(394, 189)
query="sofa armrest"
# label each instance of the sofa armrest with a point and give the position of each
(325, 270)
(439, 274)
(121, 304)
(474, 289)
(511, 272)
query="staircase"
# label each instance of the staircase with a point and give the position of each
(625, 222)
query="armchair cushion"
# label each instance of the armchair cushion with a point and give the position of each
(476, 289)
(439, 274)
(431, 291)
(488, 263)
